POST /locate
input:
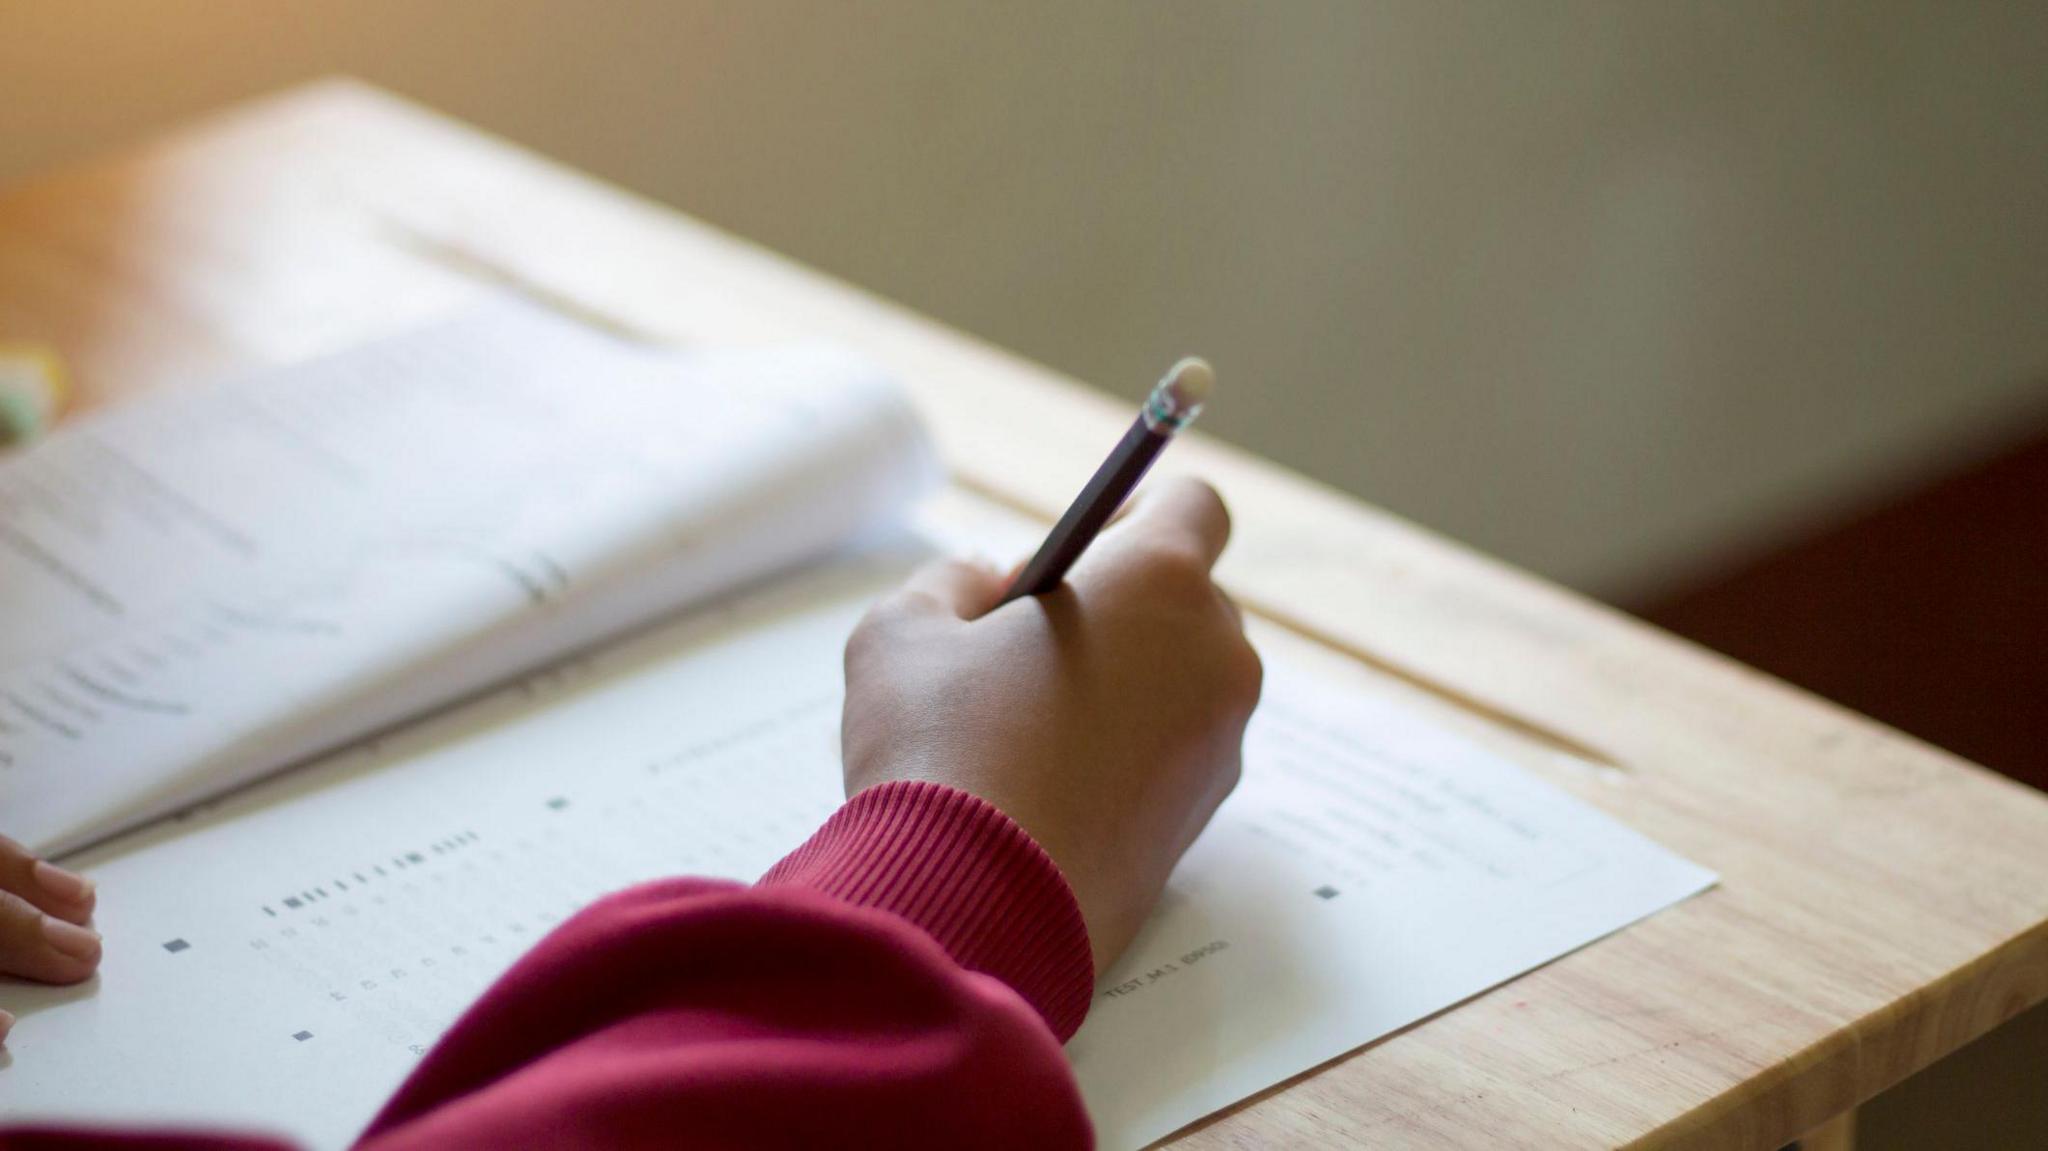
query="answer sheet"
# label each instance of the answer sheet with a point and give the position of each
(281, 960)
(202, 587)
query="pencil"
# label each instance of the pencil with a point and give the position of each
(1173, 405)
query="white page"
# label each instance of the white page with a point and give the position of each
(280, 961)
(1377, 870)
(203, 587)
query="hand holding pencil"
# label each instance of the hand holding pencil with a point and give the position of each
(1106, 716)
(1173, 405)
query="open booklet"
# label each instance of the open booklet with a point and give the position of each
(209, 585)
(280, 958)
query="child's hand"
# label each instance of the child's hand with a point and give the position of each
(43, 914)
(1106, 718)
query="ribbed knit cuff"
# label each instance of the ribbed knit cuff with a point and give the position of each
(956, 866)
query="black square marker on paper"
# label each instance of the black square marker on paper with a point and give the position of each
(176, 945)
(302, 1036)
(1326, 892)
(557, 803)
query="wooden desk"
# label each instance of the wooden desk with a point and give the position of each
(1882, 902)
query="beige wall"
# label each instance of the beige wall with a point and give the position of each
(1604, 288)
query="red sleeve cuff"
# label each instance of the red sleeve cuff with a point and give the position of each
(956, 866)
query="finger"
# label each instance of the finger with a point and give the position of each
(1123, 511)
(1178, 514)
(1230, 603)
(42, 947)
(955, 587)
(62, 893)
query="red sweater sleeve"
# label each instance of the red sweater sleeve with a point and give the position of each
(903, 979)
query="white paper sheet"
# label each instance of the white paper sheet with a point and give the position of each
(201, 588)
(281, 961)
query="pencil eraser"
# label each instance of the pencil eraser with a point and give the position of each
(1192, 381)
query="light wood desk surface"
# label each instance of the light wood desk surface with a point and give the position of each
(1882, 902)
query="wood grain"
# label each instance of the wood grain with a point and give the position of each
(1882, 902)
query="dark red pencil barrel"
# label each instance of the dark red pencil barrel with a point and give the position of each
(1106, 491)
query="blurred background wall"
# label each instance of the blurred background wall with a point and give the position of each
(1610, 290)
(1629, 294)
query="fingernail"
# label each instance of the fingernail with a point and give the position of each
(71, 939)
(66, 885)
(6, 1025)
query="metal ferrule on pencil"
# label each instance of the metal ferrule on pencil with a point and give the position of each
(1166, 410)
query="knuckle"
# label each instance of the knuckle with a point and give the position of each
(1228, 772)
(20, 921)
(15, 861)
(893, 611)
(1247, 674)
(919, 602)
(24, 951)
(868, 635)
(891, 621)
(1176, 573)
